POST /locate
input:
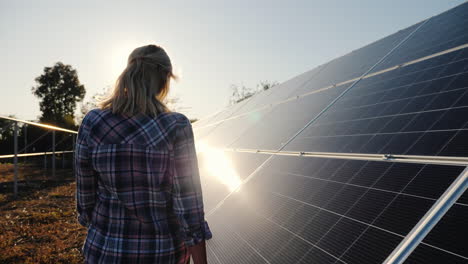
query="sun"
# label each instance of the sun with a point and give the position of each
(119, 55)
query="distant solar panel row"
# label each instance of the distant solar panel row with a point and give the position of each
(269, 208)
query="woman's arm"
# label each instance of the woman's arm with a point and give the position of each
(86, 180)
(187, 194)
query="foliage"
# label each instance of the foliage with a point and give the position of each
(242, 92)
(265, 85)
(59, 90)
(7, 135)
(6, 128)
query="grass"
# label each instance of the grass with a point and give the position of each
(40, 225)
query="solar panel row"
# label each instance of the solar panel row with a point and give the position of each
(267, 208)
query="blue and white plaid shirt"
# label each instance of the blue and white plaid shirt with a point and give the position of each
(138, 188)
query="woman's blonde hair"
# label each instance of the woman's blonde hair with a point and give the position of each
(143, 85)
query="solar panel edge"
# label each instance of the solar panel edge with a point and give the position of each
(421, 159)
(405, 64)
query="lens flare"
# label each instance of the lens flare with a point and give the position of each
(219, 166)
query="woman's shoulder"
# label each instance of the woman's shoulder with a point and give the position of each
(166, 119)
(91, 116)
(95, 114)
(179, 118)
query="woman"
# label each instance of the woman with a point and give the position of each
(138, 184)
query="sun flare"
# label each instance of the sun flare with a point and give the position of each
(219, 166)
(119, 55)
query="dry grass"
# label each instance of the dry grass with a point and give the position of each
(40, 226)
(25, 172)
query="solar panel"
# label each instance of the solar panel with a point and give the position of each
(426, 105)
(352, 162)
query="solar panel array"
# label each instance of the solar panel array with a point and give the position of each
(297, 173)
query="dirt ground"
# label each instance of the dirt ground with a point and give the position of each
(39, 226)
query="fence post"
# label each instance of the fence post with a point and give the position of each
(63, 160)
(15, 161)
(53, 153)
(73, 154)
(25, 141)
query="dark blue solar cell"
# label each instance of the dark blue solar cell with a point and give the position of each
(317, 226)
(341, 236)
(423, 121)
(348, 169)
(397, 123)
(446, 99)
(347, 197)
(376, 142)
(370, 205)
(433, 180)
(462, 101)
(460, 81)
(399, 143)
(316, 255)
(292, 251)
(452, 119)
(372, 247)
(403, 213)
(430, 143)
(398, 176)
(458, 144)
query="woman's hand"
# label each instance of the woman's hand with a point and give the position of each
(198, 253)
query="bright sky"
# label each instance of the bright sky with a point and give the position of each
(212, 44)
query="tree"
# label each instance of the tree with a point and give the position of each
(6, 128)
(242, 92)
(265, 85)
(59, 90)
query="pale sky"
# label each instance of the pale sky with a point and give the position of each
(212, 44)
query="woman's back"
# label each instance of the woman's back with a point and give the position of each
(138, 188)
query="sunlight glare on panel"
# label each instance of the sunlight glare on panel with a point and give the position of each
(219, 166)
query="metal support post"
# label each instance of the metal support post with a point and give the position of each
(15, 161)
(73, 154)
(53, 153)
(25, 128)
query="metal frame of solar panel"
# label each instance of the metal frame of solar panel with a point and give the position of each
(360, 160)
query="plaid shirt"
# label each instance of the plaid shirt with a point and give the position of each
(138, 188)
